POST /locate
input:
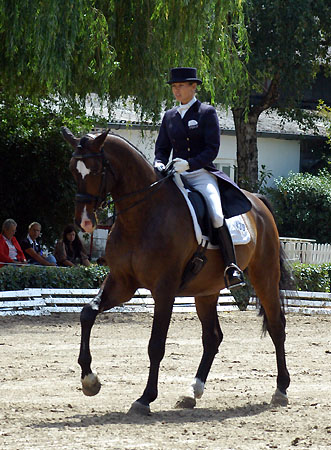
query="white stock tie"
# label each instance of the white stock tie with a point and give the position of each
(182, 109)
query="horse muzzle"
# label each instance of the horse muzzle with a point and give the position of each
(85, 219)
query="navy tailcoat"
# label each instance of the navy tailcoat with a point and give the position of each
(196, 138)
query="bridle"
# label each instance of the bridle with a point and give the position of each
(88, 198)
(101, 197)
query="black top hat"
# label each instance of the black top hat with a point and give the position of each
(181, 74)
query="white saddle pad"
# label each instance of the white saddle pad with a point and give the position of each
(237, 227)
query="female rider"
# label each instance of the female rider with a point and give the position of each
(191, 130)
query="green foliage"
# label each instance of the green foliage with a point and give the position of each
(115, 47)
(312, 277)
(54, 46)
(308, 277)
(302, 204)
(292, 63)
(124, 49)
(35, 181)
(78, 277)
(325, 113)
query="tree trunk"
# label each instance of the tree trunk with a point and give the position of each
(247, 153)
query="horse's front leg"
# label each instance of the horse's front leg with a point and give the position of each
(112, 293)
(212, 336)
(90, 382)
(156, 349)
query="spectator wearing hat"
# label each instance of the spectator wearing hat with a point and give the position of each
(10, 249)
(191, 131)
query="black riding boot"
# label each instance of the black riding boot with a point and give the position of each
(233, 276)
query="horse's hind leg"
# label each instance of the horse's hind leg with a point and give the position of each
(267, 290)
(212, 336)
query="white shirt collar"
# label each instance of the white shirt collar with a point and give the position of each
(30, 240)
(183, 108)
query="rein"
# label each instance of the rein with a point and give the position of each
(151, 189)
(100, 198)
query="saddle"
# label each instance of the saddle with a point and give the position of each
(201, 210)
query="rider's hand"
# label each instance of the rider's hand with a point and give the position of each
(159, 166)
(180, 165)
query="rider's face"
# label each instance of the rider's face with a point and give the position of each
(184, 92)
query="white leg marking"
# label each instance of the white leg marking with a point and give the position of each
(197, 387)
(90, 379)
(82, 169)
(279, 398)
(91, 384)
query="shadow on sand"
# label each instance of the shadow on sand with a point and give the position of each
(169, 416)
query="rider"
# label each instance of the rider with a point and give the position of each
(191, 130)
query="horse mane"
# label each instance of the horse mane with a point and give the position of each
(130, 145)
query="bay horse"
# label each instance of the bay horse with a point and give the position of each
(149, 246)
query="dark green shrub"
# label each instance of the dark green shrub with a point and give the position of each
(302, 205)
(78, 277)
(35, 181)
(308, 277)
(312, 277)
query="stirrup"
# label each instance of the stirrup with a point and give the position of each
(233, 281)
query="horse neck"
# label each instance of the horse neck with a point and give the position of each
(132, 171)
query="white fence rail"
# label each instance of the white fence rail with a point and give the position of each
(306, 251)
(39, 302)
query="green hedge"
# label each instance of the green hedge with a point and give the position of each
(312, 277)
(308, 277)
(302, 205)
(78, 277)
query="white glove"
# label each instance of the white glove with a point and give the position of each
(180, 165)
(159, 166)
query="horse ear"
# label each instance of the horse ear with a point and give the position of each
(97, 143)
(69, 137)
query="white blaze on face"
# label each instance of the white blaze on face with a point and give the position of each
(82, 169)
(86, 223)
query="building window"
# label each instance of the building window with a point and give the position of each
(228, 167)
(314, 155)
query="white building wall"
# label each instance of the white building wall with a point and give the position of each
(142, 140)
(281, 156)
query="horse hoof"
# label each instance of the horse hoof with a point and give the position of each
(91, 384)
(279, 399)
(140, 409)
(186, 402)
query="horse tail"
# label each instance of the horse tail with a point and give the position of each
(286, 278)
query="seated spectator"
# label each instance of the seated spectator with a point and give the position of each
(10, 250)
(69, 250)
(32, 248)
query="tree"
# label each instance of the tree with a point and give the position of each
(121, 49)
(54, 46)
(288, 44)
(114, 47)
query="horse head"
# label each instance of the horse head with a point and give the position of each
(88, 167)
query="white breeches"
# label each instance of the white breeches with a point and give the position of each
(206, 183)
